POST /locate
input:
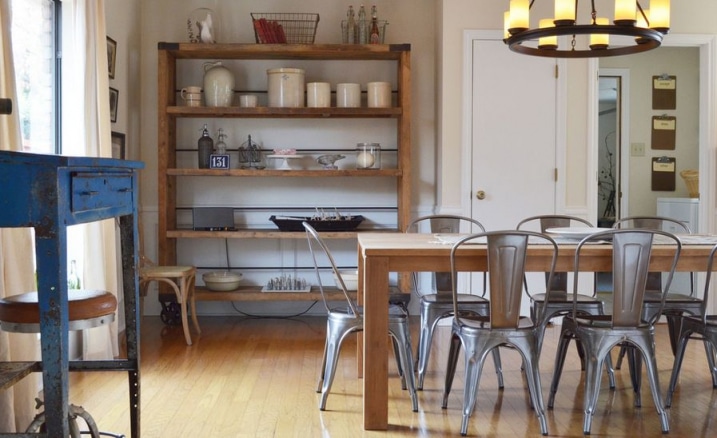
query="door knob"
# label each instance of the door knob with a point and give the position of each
(480, 194)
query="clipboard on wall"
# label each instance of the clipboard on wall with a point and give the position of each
(664, 129)
(664, 92)
(663, 174)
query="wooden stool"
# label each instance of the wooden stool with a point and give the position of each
(181, 279)
(87, 309)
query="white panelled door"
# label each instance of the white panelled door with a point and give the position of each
(513, 135)
(513, 139)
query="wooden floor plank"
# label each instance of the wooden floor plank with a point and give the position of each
(257, 378)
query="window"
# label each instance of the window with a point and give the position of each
(34, 25)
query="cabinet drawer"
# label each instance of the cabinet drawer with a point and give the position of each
(94, 191)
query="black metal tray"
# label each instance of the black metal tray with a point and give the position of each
(349, 223)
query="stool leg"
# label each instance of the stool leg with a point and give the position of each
(180, 290)
(193, 303)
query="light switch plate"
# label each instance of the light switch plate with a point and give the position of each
(637, 149)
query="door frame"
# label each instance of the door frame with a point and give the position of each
(707, 45)
(624, 123)
(466, 188)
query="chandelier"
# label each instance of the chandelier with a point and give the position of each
(644, 27)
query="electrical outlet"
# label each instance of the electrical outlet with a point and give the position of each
(637, 149)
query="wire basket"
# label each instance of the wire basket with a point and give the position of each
(692, 181)
(279, 27)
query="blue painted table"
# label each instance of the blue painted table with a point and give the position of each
(50, 193)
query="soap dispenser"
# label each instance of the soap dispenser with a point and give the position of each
(205, 147)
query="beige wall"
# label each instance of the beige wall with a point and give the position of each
(123, 26)
(688, 17)
(683, 63)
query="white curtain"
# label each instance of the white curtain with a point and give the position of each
(87, 132)
(16, 257)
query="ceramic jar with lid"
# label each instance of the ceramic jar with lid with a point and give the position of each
(218, 84)
(285, 87)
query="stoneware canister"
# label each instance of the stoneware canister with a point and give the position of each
(218, 84)
(286, 87)
(318, 94)
(379, 94)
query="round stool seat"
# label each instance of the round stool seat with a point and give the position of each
(86, 309)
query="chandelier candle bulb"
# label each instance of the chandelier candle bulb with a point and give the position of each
(506, 24)
(564, 12)
(600, 41)
(642, 19)
(519, 16)
(550, 42)
(659, 15)
(625, 12)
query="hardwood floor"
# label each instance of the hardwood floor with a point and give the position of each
(257, 378)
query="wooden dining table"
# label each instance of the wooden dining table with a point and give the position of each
(380, 254)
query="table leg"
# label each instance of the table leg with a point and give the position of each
(54, 324)
(375, 349)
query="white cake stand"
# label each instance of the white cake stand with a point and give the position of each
(285, 160)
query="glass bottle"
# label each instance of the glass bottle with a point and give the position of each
(73, 280)
(351, 26)
(221, 147)
(205, 147)
(374, 35)
(363, 38)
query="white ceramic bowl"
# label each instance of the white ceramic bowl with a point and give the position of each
(222, 280)
(350, 280)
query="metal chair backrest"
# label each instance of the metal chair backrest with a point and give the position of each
(546, 221)
(319, 251)
(631, 250)
(506, 256)
(654, 279)
(447, 224)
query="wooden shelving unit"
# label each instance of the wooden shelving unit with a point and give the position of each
(170, 114)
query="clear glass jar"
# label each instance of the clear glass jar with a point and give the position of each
(368, 156)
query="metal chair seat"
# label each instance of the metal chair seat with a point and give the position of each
(504, 327)
(676, 304)
(560, 301)
(347, 318)
(625, 325)
(86, 308)
(700, 326)
(484, 323)
(439, 305)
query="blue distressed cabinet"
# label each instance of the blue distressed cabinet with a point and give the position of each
(50, 193)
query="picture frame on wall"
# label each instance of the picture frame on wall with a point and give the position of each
(114, 102)
(111, 56)
(118, 145)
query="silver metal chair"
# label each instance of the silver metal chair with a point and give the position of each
(439, 303)
(503, 327)
(702, 327)
(676, 304)
(560, 301)
(600, 333)
(347, 318)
